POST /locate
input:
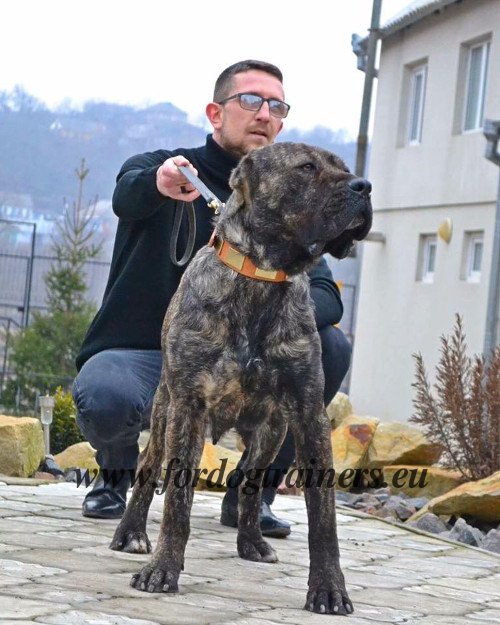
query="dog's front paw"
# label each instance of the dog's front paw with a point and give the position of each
(328, 599)
(130, 542)
(156, 578)
(256, 550)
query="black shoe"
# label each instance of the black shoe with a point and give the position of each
(270, 525)
(105, 500)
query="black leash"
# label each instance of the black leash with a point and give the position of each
(174, 237)
(212, 202)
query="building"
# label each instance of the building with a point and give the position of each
(438, 79)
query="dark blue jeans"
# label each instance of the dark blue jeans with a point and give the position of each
(114, 391)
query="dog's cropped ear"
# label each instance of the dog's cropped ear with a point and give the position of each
(239, 181)
(340, 247)
(241, 175)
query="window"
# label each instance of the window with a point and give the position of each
(472, 256)
(416, 104)
(475, 86)
(427, 258)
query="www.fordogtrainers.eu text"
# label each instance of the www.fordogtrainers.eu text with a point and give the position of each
(310, 476)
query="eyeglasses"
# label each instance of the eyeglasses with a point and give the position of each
(253, 102)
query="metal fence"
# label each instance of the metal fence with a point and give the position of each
(18, 298)
(23, 290)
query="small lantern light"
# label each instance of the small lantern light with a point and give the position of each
(46, 414)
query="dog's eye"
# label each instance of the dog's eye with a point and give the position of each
(308, 167)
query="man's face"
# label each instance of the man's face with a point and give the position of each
(239, 131)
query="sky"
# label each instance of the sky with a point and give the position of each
(142, 52)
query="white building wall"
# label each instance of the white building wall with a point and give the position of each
(414, 189)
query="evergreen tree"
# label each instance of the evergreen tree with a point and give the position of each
(44, 353)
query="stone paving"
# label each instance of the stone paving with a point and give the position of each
(56, 568)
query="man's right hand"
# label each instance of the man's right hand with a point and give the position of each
(172, 183)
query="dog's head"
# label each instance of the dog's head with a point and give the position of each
(295, 202)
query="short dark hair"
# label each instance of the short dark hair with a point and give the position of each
(223, 83)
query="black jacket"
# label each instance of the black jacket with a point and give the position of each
(142, 278)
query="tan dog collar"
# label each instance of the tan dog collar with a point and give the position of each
(242, 264)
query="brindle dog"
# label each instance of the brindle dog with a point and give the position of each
(245, 353)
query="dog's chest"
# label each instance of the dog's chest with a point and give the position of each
(237, 347)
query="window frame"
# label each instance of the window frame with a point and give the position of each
(426, 272)
(415, 112)
(480, 96)
(471, 274)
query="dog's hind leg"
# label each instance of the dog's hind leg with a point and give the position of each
(265, 444)
(185, 434)
(327, 593)
(130, 535)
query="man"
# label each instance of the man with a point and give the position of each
(120, 360)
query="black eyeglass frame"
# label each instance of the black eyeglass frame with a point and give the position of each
(262, 100)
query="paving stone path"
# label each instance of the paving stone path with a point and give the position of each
(56, 568)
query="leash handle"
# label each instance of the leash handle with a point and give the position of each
(174, 237)
(213, 202)
(211, 199)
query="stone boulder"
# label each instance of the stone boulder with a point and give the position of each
(480, 499)
(78, 456)
(218, 462)
(398, 443)
(338, 409)
(492, 541)
(465, 533)
(421, 481)
(350, 444)
(429, 523)
(21, 445)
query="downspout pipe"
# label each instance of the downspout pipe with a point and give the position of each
(491, 130)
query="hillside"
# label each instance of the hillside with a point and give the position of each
(40, 148)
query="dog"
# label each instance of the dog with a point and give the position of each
(244, 352)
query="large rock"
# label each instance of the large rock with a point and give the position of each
(21, 445)
(429, 523)
(350, 444)
(398, 443)
(492, 541)
(465, 533)
(78, 456)
(421, 481)
(218, 462)
(338, 409)
(480, 499)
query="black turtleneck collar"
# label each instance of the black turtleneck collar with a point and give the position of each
(217, 163)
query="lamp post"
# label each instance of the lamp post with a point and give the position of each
(46, 415)
(366, 52)
(46, 403)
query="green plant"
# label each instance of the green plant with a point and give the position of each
(64, 430)
(463, 413)
(43, 354)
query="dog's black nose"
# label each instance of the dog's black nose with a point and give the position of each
(360, 185)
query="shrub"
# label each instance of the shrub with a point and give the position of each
(64, 430)
(463, 415)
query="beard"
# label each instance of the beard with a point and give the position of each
(243, 146)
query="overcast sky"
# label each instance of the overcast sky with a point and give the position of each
(147, 51)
